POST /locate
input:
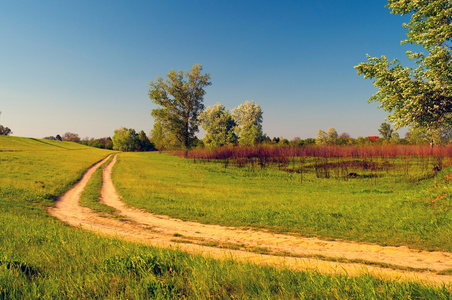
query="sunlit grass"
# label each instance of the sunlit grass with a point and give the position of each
(91, 195)
(41, 257)
(391, 209)
(42, 170)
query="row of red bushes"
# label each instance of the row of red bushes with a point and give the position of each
(352, 151)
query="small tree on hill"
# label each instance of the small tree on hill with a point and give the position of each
(4, 130)
(71, 137)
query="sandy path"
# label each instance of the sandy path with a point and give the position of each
(279, 249)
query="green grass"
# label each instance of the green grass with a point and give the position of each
(391, 209)
(40, 258)
(42, 170)
(43, 258)
(92, 193)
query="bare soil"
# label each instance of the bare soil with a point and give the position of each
(254, 246)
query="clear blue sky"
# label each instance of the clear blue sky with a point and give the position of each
(85, 66)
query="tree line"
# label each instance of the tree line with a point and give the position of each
(124, 139)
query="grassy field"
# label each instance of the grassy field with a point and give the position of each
(388, 209)
(42, 258)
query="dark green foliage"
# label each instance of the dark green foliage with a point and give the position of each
(128, 140)
(5, 130)
(181, 98)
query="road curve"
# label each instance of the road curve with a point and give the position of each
(245, 245)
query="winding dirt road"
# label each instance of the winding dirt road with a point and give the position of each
(249, 245)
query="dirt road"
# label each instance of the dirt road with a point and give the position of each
(250, 245)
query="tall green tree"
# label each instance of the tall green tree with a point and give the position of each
(321, 138)
(419, 96)
(181, 97)
(219, 125)
(332, 135)
(386, 131)
(248, 120)
(125, 139)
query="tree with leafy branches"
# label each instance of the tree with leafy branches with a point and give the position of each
(125, 139)
(248, 120)
(219, 125)
(331, 135)
(321, 138)
(386, 131)
(181, 97)
(420, 96)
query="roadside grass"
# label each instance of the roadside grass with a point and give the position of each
(43, 258)
(42, 170)
(388, 209)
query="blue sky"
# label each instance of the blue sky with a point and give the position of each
(85, 66)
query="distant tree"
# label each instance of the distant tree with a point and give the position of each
(421, 96)
(309, 141)
(144, 144)
(108, 143)
(248, 120)
(345, 139)
(181, 99)
(219, 126)
(386, 131)
(5, 130)
(332, 135)
(71, 137)
(102, 143)
(321, 138)
(395, 138)
(58, 137)
(52, 138)
(265, 139)
(124, 139)
(283, 142)
(362, 141)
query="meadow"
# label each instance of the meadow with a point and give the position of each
(386, 205)
(41, 257)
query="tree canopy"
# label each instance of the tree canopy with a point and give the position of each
(126, 139)
(181, 97)
(420, 96)
(386, 130)
(219, 126)
(248, 120)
